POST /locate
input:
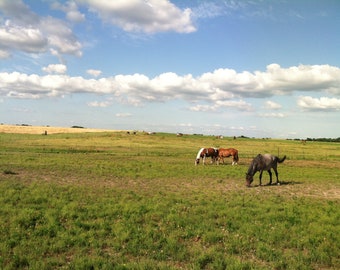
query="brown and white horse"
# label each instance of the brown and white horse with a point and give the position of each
(227, 152)
(206, 152)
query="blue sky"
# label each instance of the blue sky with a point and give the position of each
(252, 68)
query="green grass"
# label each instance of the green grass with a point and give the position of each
(118, 201)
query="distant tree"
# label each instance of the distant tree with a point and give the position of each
(77, 127)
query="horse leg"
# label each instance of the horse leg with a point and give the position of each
(261, 178)
(203, 160)
(270, 177)
(277, 177)
(234, 161)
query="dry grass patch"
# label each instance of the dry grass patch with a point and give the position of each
(49, 130)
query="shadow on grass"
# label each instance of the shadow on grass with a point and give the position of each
(9, 172)
(282, 183)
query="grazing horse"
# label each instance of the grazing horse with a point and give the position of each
(261, 163)
(223, 153)
(206, 152)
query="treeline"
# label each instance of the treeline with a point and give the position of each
(318, 140)
(324, 139)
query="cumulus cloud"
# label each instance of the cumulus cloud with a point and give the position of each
(123, 115)
(23, 30)
(94, 72)
(60, 36)
(19, 12)
(272, 115)
(211, 91)
(55, 68)
(271, 105)
(101, 104)
(218, 106)
(147, 16)
(319, 104)
(71, 11)
(4, 54)
(23, 38)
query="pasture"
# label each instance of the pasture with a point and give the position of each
(110, 200)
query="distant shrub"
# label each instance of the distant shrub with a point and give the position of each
(77, 127)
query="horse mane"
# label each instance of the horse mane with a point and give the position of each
(199, 153)
(258, 158)
(253, 164)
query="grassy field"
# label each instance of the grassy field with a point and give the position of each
(111, 200)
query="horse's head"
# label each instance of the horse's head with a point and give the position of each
(249, 179)
(197, 161)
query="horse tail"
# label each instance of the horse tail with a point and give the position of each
(281, 160)
(236, 156)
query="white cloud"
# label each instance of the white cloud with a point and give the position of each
(123, 115)
(101, 104)
(55, 68)
(319, 104)
(273, 115)
(71, 10)
(212, 91)
(60, 36)
(148, 16)
(209, 10)
(23, 38)
(222, 105)
(23, 30)
(94, 72)
(271, 105)
(4, 54)
(18, 11)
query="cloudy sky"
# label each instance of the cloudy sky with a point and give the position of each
(252, 68)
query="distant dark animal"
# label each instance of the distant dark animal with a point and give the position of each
(227, 152)
(203, 153)
(262, 163)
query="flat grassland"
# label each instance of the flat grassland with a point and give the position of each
(110, 200)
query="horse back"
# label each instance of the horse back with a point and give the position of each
(228, 151)
(212, 152)
(270, 161)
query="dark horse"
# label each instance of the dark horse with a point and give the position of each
(206, 152)
(261, 163)
(223, 153)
